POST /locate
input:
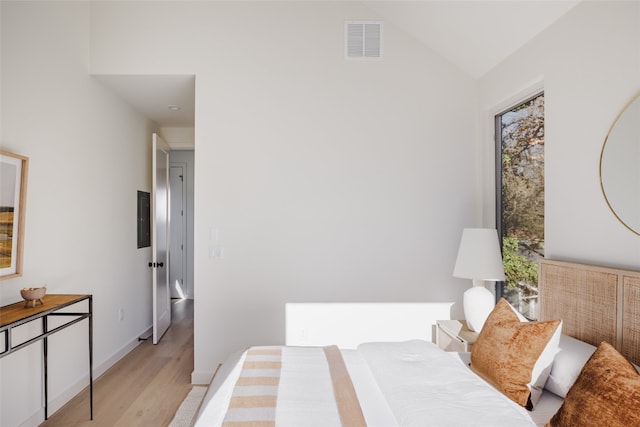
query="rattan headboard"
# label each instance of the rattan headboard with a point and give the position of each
(595, 303)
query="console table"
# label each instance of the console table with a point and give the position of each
(14, 315)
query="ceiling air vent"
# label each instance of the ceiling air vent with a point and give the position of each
(363, 39)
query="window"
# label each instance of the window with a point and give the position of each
(520, 201)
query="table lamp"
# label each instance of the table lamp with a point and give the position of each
(479, 259)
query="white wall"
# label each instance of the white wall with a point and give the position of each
(589, 65)
(328, 180)
(179, 138)
(88, 155)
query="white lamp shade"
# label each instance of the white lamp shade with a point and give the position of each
(479, 256)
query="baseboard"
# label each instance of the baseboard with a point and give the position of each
(201, 377)
(60, 400)
(34, 420)
(119, 354)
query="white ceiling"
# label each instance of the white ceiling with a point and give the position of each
(152, 95)
(475, 35)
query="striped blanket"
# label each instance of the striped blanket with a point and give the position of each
(255, 401)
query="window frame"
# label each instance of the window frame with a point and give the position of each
(497, 117)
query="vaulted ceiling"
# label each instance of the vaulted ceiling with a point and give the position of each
(475, 35)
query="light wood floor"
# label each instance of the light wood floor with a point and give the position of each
(145, 388)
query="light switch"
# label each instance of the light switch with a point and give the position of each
(215, 252)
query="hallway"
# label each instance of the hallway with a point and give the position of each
(145, 387)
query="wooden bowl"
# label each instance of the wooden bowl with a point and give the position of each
(33, 295)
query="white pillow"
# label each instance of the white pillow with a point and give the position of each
(571, 357)
(543, 366)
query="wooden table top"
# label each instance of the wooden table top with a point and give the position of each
(16, 312)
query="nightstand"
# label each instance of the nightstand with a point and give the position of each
(454, 335)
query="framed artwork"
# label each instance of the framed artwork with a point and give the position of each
(13, 194)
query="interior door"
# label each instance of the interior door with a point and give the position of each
(177, 258)
(160, 238)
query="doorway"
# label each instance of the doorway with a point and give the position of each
(177, 231)
(181, 225)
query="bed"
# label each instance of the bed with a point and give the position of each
(414, 383)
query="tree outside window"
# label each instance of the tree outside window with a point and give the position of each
(520, 216)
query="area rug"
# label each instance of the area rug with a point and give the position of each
(188, 407)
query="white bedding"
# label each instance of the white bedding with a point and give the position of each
(411, 383)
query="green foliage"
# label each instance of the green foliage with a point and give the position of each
(516, 267)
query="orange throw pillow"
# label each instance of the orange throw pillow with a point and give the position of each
(606, 393)
(507, 350)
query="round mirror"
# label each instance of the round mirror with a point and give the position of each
(620, 167)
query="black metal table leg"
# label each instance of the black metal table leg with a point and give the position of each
(45, 351)
(91, 355)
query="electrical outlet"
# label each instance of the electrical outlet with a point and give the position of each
(121, 314)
